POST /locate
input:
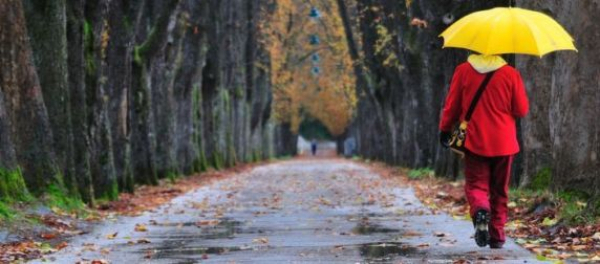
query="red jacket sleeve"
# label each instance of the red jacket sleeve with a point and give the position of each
(452, 107)
(520, 103)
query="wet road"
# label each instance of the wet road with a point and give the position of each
(298, 211)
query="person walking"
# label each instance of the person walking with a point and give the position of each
(491, 141)
(313, 147)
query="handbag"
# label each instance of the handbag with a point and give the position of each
(459, 136)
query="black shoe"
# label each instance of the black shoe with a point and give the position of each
(481, 222)
(496, 244)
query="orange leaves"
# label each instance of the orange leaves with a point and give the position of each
(297, 92)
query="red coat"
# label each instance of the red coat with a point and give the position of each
(492, 129)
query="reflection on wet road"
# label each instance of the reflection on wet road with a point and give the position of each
(299, 211)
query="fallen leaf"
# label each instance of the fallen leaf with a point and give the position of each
(141, 228)
(143, 241)
(411, 233)
(579, 247)
(261, 240)
(112, 236)
(62, 245)
(549, 222)
(439, 234)
(48, 236)
(208, 222)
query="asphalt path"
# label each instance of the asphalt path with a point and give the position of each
(296, 211)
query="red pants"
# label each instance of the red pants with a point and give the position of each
(486, 188)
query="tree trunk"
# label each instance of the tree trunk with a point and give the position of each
(97, 37)
(81, 146)
(163, 71)
(143, 142)
(124, 20)
(210, 89)
(46, 25)
(561, 136)
(25, 109)
(12, 185)
(188, 80)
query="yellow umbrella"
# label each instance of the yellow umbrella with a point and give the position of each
(505, 30)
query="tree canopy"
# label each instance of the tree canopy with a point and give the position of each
(312, 72)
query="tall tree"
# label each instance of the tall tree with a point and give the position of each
(124, 21)
(77, 87)
(188, 79)
(149, 48)
(163, 71)
(11, 180)
(97, 38)
(30, 127)
(46, 25)
(561, 134)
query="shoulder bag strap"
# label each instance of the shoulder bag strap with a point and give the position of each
(482, 87)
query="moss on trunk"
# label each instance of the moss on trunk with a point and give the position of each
(12, 186)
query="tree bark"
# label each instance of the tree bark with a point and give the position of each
(46, 25)
(77, 87)
(30, 127)
(101, 153)
(561, 136)
(143, 141)
(188, 81)
(12, 185)
(124, 20)
(163, 70)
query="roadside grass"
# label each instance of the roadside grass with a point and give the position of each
(17, 211)
(61, 202)
(6, 212)
(421, 173)
(568, 207)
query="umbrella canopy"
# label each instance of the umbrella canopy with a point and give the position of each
(505, 30)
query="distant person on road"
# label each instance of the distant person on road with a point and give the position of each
(491, 140)
(313, 147)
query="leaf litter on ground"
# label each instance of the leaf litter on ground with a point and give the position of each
(536, 223)
(59, 224)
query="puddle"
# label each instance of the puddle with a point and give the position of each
(193, 252)
(367, 229)
(379, 252)
(226, 228)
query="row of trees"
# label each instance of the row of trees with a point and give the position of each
(97, 96)
(403, 75)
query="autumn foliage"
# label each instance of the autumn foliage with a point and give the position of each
(312, 72)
